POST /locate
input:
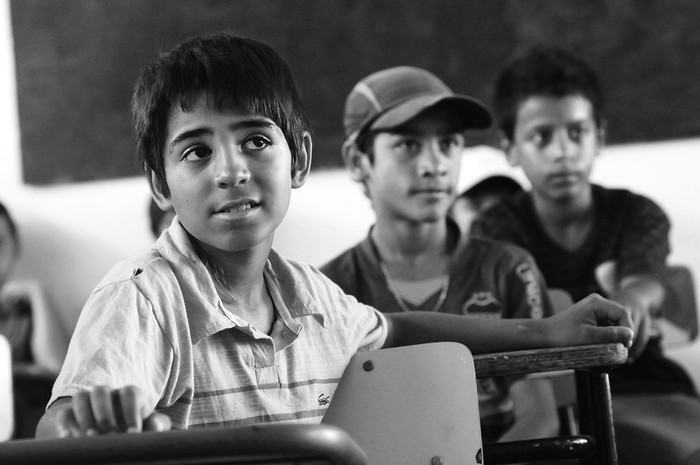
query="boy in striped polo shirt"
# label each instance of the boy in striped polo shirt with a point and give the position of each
(210, 326)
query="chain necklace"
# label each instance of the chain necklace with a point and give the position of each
(395, 292)
(394, 289)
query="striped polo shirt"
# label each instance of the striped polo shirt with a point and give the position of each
(156, 322)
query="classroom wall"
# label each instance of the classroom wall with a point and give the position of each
(77, 60)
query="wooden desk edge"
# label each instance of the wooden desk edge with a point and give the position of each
(549, 359)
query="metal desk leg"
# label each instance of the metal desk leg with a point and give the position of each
(596, 416)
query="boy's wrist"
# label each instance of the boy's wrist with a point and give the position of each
(547, 333)
(536, 333)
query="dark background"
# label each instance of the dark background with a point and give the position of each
(77, 60)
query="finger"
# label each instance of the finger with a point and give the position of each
(103, 409)
(129, 401)
(607, 334)
(82, 414)
(626, 320)
(66, 424)
(157, 422)
(609, 312)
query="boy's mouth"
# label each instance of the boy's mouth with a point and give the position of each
(565, 177)
(431, 191)
(237, 207)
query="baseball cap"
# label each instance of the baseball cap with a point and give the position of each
(389, 98)
(482, 163)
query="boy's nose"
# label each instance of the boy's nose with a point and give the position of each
(563, 145)
(432, 161)
(231, 169)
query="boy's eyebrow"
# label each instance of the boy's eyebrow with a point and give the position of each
(577, 121)
(245, 124)
(252, 123)
(416, 132)
(187, 135)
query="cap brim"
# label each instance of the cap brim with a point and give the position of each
(473, 113)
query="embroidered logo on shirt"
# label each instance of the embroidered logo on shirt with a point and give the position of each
(532, 289)
(480, 302)
(323, 400)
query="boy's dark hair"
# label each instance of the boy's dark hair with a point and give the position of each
(544, 71)
(232, 73)
(493, 185)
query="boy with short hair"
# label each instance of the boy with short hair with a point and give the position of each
(210, 326)
(405, 140)
(587, 238)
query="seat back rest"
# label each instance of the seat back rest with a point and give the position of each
(679, 318)
(411, 405)
(7, 417)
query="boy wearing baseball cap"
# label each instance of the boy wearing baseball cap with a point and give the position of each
(405, 138)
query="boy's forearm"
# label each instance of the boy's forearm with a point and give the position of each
(481, 335)
(644, 291)
(592, 320)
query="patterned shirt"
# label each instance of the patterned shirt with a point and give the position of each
(629, 231)
(629, 236)
(156, 322)
(490, 279)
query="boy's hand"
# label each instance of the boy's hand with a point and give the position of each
(641, 318)
(593, 320)
(103, 411)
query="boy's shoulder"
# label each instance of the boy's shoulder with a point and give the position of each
(624, 200)
(148, 259)
(616, 193)
(341, 263)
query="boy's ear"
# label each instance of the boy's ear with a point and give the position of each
(159, 197)
(602, 132)
(507, 146)
(302, 164)
(355, 161)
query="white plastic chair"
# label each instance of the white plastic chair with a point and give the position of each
(7, 418)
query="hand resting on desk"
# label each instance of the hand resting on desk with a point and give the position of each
(592, 320)
(102, 410)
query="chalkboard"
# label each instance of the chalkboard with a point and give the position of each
(77, 60)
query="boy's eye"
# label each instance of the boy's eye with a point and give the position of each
(449, 144)
(196, 152)
(257, 143)
(577, 132)
(541, 138)
(408, 145)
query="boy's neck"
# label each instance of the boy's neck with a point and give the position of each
(238, 275)
(414, 251)
(568, 223)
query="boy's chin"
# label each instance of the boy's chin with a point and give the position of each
(430, 216)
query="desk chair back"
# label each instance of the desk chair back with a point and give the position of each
(411, 405)
(7, 417)
(679, 320)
